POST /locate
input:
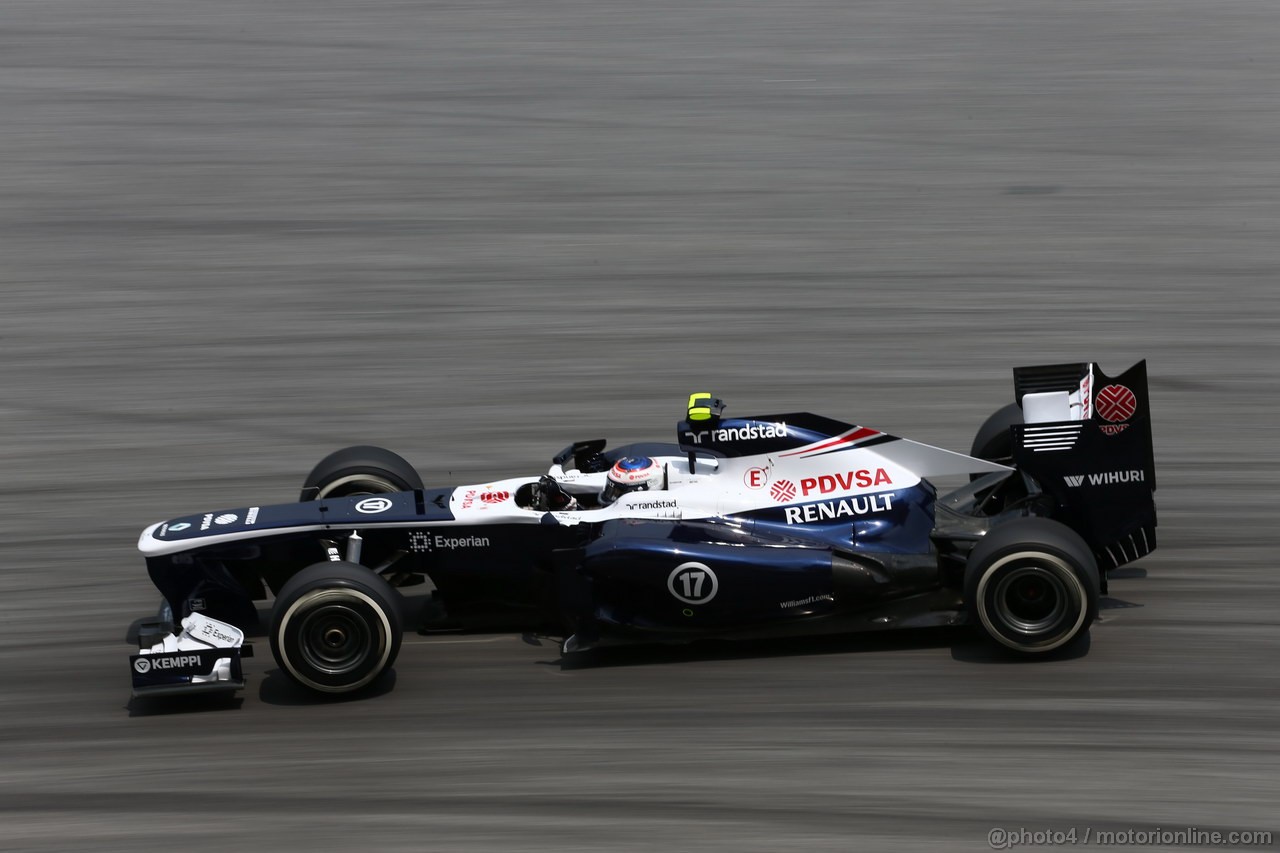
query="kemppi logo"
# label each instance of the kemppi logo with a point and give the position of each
(144, 665)
(862, 479)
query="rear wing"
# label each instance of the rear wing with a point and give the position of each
(1086, 439)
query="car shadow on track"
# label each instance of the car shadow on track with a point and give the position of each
(966, 645)
(276, 688)
(159, 706)
(986, 651)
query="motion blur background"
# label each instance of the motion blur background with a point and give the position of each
(235, 236)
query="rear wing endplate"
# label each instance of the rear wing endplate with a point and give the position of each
(1096, 459)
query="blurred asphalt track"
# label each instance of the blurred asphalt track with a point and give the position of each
(237, 235)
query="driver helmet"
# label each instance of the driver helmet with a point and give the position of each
(632, 474)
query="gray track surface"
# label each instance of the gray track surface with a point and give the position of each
(238, 235)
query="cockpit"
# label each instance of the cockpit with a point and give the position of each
(591, 480)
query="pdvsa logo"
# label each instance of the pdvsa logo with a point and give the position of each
(783, 491)
(846, 482)
(1115, 404)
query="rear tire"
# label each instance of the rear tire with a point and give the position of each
(994, 439)
(336, 627)
(361, 470)
(1032, 584)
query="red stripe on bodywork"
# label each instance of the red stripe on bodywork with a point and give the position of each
(849, 437)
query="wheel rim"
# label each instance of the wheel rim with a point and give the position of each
(357, 485)
(1031, 599)
(334, 640)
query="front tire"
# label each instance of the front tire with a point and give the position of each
(336, 627)
(361, 470)
(1032, 584)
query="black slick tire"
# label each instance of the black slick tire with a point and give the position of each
(1032, 584)
(994, 439)
(336, 627)
(360, 470)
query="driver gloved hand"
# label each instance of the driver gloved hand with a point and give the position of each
(554, 495)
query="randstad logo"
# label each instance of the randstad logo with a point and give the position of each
(747, 432)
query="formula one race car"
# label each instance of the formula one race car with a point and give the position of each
(746, 527)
